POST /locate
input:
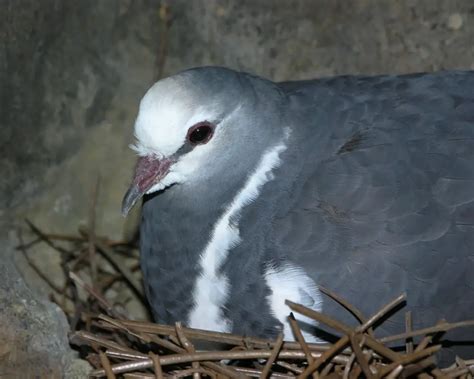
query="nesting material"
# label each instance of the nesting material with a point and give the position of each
(146, 350)
(117, 346)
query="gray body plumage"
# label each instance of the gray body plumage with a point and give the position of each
(374, 197)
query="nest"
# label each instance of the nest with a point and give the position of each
(117, 346)
(146, 350)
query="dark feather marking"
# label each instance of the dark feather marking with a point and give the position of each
(353, 142)
(336, 214)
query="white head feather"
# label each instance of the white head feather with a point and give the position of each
(166, 113)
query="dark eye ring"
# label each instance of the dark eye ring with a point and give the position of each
(200, 133)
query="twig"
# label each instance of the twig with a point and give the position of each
(106, 365)
(327, 355)
(300, 338)
(437, 373)
(65, 237)
(45, 238)
(364, 365)
(156, 365)
(315, 315)
(188, 346)
(109, 254)
(91, 234)
(28, 245)
(208, 356)
(91, 291)
(429, 338)
(122, 327)
(125, 355)
(342, 342)
(326, 370)
(165, 23)
(461, 371)
(348, 366)
(226, 371)
(211, 336)
(418, 367)
(94, 339)
(381, 313)
(381, 349)
(353, 310)
(74, 238)
(395, 373)
(138, 375)
(408, 329)
(276, 349)
(443, 327)
(290, 367)
(193, 371)
(107, 280)
(255, 373)
(406, 359)
(35, 268)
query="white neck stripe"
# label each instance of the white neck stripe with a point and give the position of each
(212, 287)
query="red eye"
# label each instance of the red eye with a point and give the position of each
(200, 133)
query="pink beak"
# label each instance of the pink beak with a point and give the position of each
(148, 172)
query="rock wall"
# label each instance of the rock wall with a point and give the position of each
(72, 74)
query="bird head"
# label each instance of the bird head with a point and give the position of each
(198, 125)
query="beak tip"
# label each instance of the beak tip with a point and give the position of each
(125, 210)
(129, 200)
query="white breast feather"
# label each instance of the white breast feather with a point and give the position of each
(212, 287)
(290, 282)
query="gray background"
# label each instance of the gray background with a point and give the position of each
(72, 74)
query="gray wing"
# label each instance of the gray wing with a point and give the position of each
(386, 201)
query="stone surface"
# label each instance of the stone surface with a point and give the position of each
(455, 21)
(72, 74)
(33, 331)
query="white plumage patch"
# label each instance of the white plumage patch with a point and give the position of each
(212, 287)
(166, 113)
(290, 282)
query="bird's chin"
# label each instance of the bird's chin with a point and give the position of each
(157, 187)
(169, 180)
